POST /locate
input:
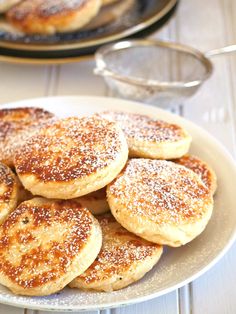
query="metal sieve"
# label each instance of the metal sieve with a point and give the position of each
(156, 72)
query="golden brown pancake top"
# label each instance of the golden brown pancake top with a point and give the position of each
(44, 9)
(119, 251)
(38, 241)
(197, 166)
(161, 191)
(144, 128)
(18, 119)
(16, 126)
(69, 149)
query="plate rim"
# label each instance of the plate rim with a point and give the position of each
(80, 99)
(93, 42)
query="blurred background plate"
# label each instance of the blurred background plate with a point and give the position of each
(127, 18)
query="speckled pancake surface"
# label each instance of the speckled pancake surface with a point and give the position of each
(46, 244)
(72, 157)
(17, 126)
(160, 201)
(123, 259)
(51, 16)
(201, 168)
(150, 138)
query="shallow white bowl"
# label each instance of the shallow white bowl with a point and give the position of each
(177, 266)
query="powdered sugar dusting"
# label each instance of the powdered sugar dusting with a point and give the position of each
(39, 241)
(141, 127)
(199, 167)
(17, 126)
(160, 190)
(121, 250)
(44, 8)
(71, 148)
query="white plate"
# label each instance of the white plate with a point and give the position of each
(177, 266)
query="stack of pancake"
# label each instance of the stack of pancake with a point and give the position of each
(89, 202)
(61, 16)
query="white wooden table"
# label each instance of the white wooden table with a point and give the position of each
(204, 24)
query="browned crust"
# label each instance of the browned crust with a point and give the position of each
(53, 13)
(161, 191)
(200, 168)
(69, 149)
(17, 119)
(16, 126)
(120, 250)
(37, 264)
(144, 128)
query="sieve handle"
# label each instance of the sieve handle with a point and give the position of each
(102, 72)
(220, 51)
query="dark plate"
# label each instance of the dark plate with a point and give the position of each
(144, 17)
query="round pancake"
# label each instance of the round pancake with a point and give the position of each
(9, 190)
(16, 127)
(109, 14)
(45, 244)
(149, 138)
(7, 4)
(52, 16)
(72, 157)
(160, 201)
(202, 169)
(96, 202)
(123, 259)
